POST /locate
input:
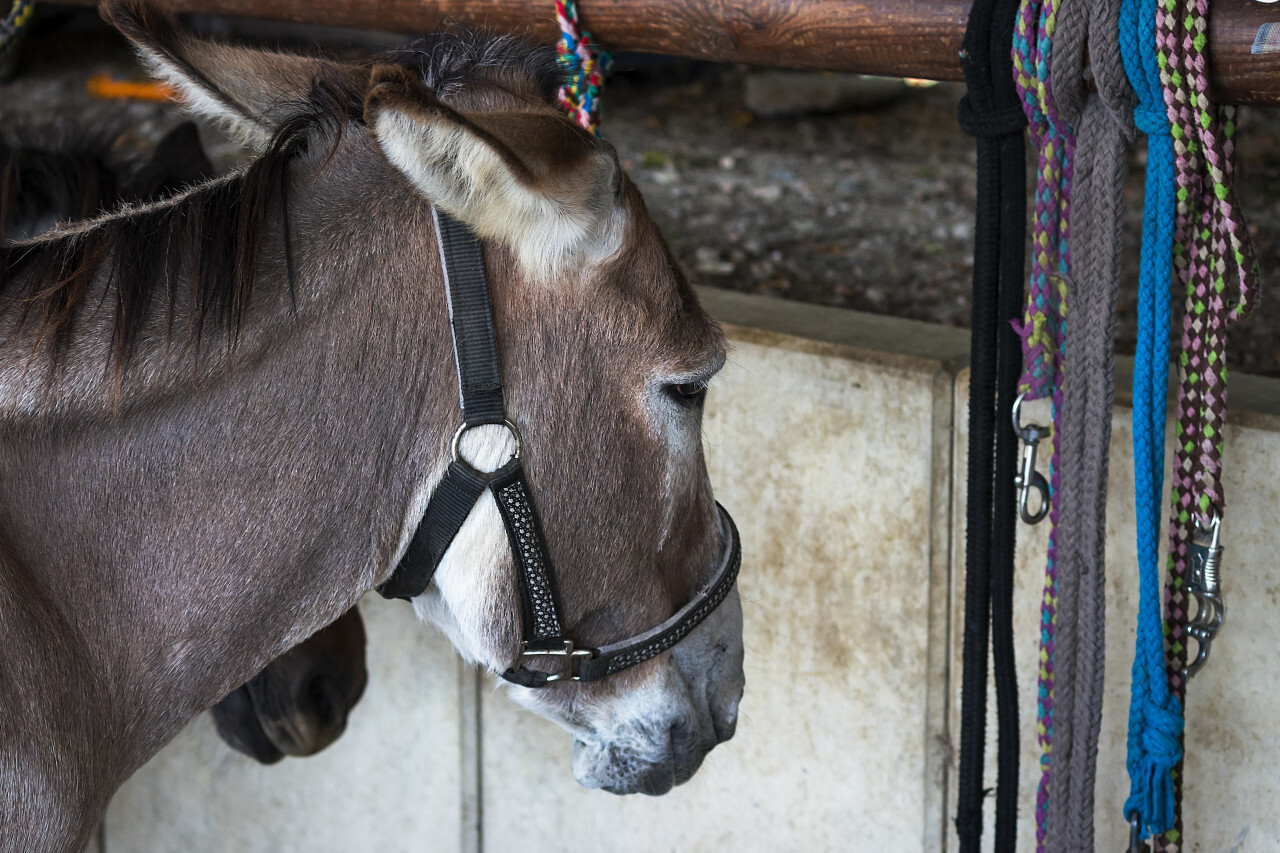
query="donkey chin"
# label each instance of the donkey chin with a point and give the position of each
(654, 734)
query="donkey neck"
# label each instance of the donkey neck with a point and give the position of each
(144, 301)
(201, 527)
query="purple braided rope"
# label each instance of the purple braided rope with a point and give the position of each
(1044, 322)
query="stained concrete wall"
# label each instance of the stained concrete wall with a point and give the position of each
(837, 441)
(1232, 796)
(396, 780)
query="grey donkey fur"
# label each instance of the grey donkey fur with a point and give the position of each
(209, 451)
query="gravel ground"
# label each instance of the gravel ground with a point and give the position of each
(870, 209)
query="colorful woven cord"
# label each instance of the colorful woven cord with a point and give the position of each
(1043, 328)
(587, 67)
(1211, 235)
(11, 27)
(1155, 715)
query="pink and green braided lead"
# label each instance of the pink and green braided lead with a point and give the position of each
(586, 65)
(1211, 235)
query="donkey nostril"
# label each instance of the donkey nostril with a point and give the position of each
(325, 706)
(725, 722)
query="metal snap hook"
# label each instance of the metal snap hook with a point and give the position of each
(1028, 478)
(1205, 585)
(1135, 834)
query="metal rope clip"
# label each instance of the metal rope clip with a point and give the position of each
(1204, 582)
(1029, 478)
(1135, 835)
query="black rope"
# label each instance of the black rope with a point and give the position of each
(992, 112)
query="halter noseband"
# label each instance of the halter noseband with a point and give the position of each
(480, 394)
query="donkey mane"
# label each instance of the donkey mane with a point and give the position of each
(137, 251)
(456, 59)
(212, 236)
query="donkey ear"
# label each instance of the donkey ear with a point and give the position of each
(251, 91)
(532, 180)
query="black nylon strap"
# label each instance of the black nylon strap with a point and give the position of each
(471, 321)
(538, 597)
(618, 656)
(449, 506)
(991, 111)
(480, 395)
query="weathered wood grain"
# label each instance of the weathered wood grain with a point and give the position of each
(901, 38)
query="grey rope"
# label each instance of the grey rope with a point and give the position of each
(1104, 128)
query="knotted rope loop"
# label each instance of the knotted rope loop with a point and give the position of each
(1151, 120)
(1161, 749)
(990, 124)
(586, 65)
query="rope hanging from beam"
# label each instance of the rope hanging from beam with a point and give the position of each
(1043, 328)
(13, 25)
(586, 65)
(1211, 237)
(991, 112)
(1155, 715)
(1103, 127)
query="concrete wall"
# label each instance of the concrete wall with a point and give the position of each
(837, 441)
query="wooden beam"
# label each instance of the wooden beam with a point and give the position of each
(898, 38)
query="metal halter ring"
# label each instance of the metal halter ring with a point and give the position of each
(462, 430)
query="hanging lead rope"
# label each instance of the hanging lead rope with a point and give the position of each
(587, 66)
(13, 26)
(1043, 328)
(1103, 129)
(990, 112)
(1155, 715)
(1211, 235)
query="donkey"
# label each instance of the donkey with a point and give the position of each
(222, 417)
(300, 702)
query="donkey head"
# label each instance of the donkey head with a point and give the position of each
(299, 703)
(604, 351)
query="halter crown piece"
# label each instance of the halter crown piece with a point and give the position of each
(480, 394)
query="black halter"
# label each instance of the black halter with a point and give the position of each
(480, 392)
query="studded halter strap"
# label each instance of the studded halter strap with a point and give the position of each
(480, 395)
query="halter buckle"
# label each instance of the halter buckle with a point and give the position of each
(566, 651)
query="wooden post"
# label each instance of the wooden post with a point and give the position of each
(897, 38)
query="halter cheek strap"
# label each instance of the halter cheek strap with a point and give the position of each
(480, 394)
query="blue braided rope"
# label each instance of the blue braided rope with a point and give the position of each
(1155, 715)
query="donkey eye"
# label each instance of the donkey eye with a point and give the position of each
(688, 394)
